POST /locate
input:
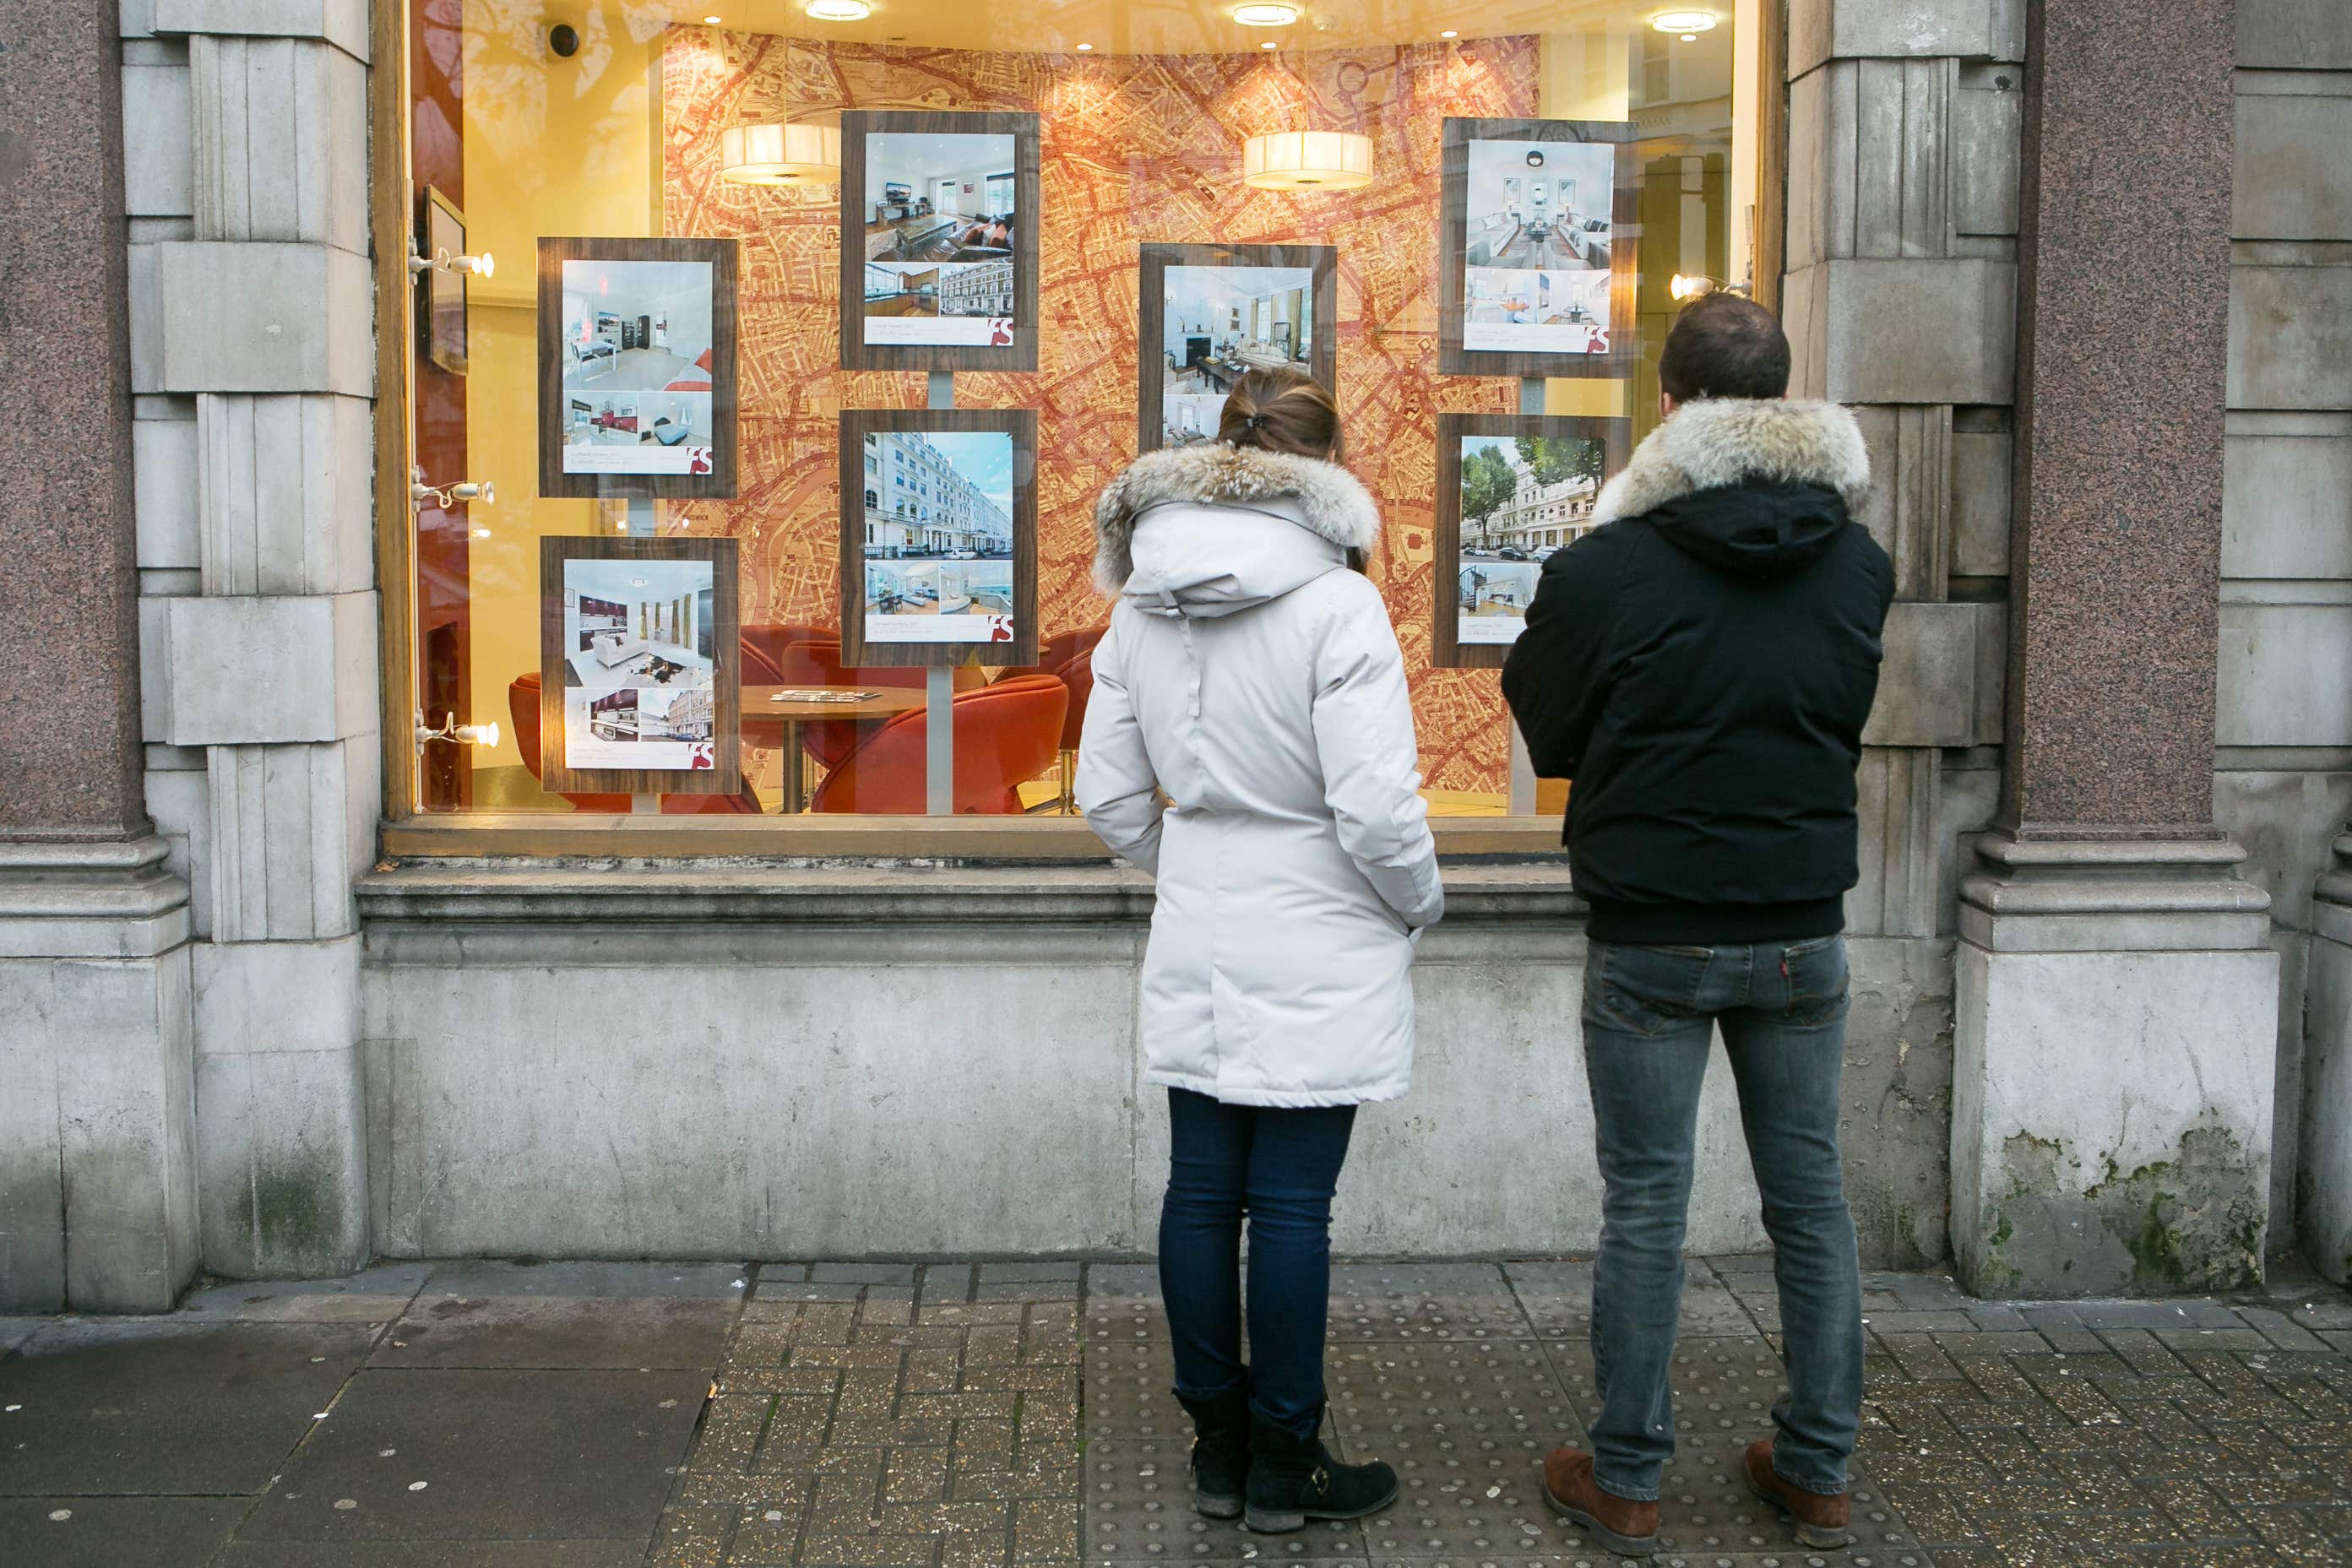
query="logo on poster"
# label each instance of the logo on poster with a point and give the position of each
(698, 460)
(1000, 628)
(1000, 331)
(1598, 343)
(700, 757)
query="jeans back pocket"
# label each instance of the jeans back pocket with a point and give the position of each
(1643, 990)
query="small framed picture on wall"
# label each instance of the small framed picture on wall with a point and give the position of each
(939, 537)
(1213, 313)
(938, 241)
(1537, 261)
(1512, 490)
(640, 688)
(636, 367)
(441, 314)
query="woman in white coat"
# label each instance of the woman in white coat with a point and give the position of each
(1251, 682)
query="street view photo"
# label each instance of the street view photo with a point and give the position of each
(939, 535)
(1522, 498)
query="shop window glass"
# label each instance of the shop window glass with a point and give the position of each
(621, 136)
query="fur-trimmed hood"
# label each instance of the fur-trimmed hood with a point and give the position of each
(1322, 497)
(1715, 442)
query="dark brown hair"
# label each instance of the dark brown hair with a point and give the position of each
(1282, 410)
(1723, 346)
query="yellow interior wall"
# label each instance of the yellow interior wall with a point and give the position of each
(552, 147)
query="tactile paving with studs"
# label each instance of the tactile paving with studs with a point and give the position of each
(1138, 1509)
(1423, 1302)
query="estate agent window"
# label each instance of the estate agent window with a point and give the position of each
(764, 368)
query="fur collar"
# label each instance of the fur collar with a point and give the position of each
(1714, 442)
(1331, 502)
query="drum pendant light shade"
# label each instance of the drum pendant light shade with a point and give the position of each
(780, 154)
(1307, 161)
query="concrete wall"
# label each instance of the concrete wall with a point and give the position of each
(2282, 781)
(720, 1067)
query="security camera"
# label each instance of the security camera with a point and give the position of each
(565, 39)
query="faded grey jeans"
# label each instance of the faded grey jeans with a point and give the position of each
(1649, 1013)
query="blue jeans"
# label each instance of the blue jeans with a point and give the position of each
(1648, 1015)
(1281, 1167)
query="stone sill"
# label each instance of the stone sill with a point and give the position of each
(516, 836)
(742, 891)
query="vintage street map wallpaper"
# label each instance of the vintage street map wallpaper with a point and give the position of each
(1134, 148)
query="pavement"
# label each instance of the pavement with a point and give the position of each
(590, 1415)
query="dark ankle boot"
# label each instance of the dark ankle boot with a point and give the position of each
(1221, 1450)
(1293, 1479)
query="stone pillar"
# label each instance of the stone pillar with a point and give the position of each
(254, 355)
(2323, 1203)
(2116, 999)
(1903, 147)
(97, 1168)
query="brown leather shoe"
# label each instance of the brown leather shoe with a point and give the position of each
(1621, 1524)
(1823, 1521)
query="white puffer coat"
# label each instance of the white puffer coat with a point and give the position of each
(1253, 678)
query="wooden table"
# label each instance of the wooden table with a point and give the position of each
(759, 701)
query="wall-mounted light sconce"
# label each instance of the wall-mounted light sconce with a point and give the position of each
(447, 495)
(451, 730)
(484, 266)
(1685, 287)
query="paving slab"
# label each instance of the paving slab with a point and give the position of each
(432, 1555)
(604, 1280)
(487, 1455)
(14, 1332)
(160, 1405)
(373, 1295)
(559, 1331)
(1372, 1301)
(115, 1532)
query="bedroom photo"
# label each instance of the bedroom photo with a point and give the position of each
(638, 345)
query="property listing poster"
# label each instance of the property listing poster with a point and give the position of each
(639, 690)
(1218, 324)
(939, 537)
(638, 353)
(1523, 499)
(1536, 264)
(939, 232)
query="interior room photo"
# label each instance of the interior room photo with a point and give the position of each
(940, 223)
(634, 624)
(1219, 323)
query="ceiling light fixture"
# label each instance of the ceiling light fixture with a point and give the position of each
(1307, 161)
(710, 21)
(1689, 23)
(1269, 44)
(773, 153)
(1084, 48)
(838, 10)
(1265, 14)
(1449, 33)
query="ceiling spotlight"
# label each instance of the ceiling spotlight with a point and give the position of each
(1265, 14)
(1084, 48)
(710, 21)
(840, 10)
(1449, 33)
(1689, 23)
(1269, 44)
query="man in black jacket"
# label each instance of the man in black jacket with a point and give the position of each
(1701, 666)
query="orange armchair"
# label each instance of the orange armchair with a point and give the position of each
(1005, 734)
(522, 704)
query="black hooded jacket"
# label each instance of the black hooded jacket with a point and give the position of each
(1701, 666)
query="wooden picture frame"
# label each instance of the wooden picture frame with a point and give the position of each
(1624, 244)
(857, 645)
(1014, 345)
(1321, 262)
(718, 632)
(1447, 651)
(441, 316)
(555, 404)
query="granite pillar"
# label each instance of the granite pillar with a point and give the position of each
(2324, 1194)
(2116, 999)
(96, 1164)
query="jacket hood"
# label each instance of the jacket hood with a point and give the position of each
(1749, 484)
(1222, 494)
